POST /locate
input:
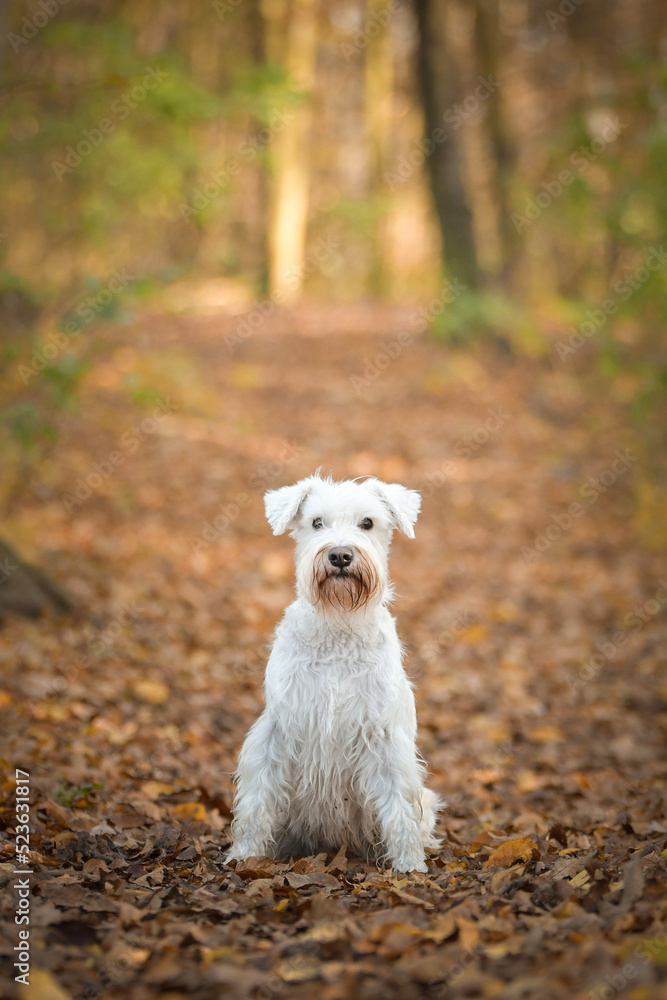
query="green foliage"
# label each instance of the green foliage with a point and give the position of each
(76, 795)
(63, 378)
(141, 394)
(260, 90)
(97, 166)
(27, 425)
(492, 316)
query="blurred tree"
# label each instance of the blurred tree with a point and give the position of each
(378, 121)
(296, 34)
(440, 92)
(490, 61)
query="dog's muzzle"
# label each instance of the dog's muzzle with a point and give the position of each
(344, 578)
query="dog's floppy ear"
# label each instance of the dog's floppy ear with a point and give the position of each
(282, 505)
(403, 504)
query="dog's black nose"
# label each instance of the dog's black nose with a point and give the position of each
(340, 558)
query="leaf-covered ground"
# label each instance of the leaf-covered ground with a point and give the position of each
(535, 633)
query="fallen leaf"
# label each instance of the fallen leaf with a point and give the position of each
(298, 969)
(190, 810)
(338, 864)
(260, 867)
(546, 734)
(408, 897)
(154, 789)
(442, 926)
(473, 634)
(520, 849)
(44, 986)
(153, 691)
(580, 879)
(299, 880)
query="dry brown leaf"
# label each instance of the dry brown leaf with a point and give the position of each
(299, 880)
(503, 880)
(190, 810)
(153, 691)
(468, 932)
(298, 969)
(260, 867)
(409, 897)
(442, 926)
(580, 879)
(338, 864)
(519, 849)
(154, 789)
(44, 986)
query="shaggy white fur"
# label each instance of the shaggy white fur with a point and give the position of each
(333, 759)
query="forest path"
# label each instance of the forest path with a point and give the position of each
(539, 692)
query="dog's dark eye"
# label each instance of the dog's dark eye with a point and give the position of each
(317, 523)
(366, 524)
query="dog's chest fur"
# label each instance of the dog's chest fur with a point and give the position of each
(340, 695)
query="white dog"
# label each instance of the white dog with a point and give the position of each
(332, 760)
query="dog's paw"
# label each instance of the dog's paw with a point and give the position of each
(409, 864)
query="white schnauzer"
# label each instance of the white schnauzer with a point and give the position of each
(332, 760)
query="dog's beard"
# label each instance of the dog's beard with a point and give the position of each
(344, 590)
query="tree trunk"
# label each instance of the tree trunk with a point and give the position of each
(489, 59)
(291, 166)
(26, 590)
(440, 92)
(378, 120)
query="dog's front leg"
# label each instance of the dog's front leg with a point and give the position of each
(391, 783)
(262, 796)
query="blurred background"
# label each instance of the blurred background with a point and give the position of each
(424, 240)
(502, 163)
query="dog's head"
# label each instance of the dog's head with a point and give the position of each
(343, 532)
